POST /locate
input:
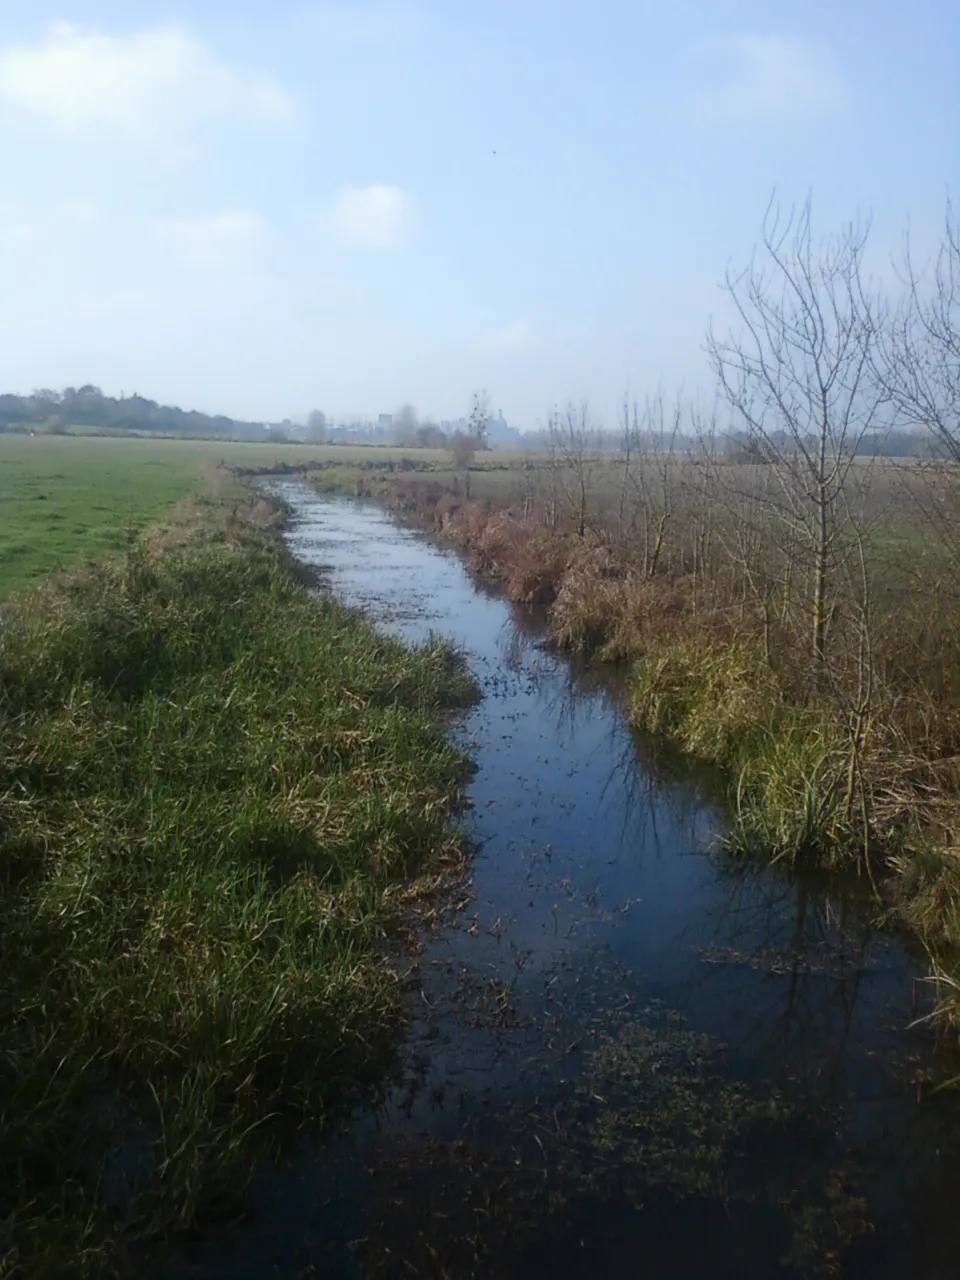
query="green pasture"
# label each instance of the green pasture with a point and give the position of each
(64, 498)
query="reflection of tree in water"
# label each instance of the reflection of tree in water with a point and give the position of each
(820, 976)
(639, 1108)
(817, 1000)
(793, 978)
(806, 944)
(783, 956)
(648, 781)
(654, 786)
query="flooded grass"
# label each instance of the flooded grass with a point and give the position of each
(648, 1127)
(217, 793)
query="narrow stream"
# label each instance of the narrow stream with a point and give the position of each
(628, 1055)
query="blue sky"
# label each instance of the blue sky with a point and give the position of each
(258, 209)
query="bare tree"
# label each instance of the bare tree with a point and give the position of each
(480, 418)
(920, 357)
(919, 365)
(651, 475)
(628, 440)
(555, 466)
(797, 374)
(701, 465)
(572, 436)
(656, 474)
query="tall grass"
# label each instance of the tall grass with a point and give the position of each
(789, 767)
(717, 703)
(215, 787)
(723, 704)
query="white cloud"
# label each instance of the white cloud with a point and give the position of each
(58, 225)
(519, 335)
(150, 84)
(378, 217)
(224, 239)
(772, 77)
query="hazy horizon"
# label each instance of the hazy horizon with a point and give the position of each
(259, 212)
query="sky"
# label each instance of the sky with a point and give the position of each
(264, 208)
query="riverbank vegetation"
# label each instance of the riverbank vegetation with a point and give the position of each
(786, 595)
(218, 793)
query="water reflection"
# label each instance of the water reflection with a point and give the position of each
(602, 930)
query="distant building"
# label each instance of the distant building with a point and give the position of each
(385, 422)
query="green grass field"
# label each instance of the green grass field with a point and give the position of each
(63, 498)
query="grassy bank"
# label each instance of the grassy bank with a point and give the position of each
(216, 793)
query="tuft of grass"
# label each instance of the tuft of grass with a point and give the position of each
(787, 763)
(590, 601)
(215, 790)
(791, 797)
(716, 703)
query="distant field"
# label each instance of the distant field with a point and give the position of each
(63, 498)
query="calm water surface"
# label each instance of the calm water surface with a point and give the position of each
(628, 1056)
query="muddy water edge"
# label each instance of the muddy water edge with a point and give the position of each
(627, 1054)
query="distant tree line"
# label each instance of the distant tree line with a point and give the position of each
(741, 446)
(87, 406)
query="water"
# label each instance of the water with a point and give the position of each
(627, 1055)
